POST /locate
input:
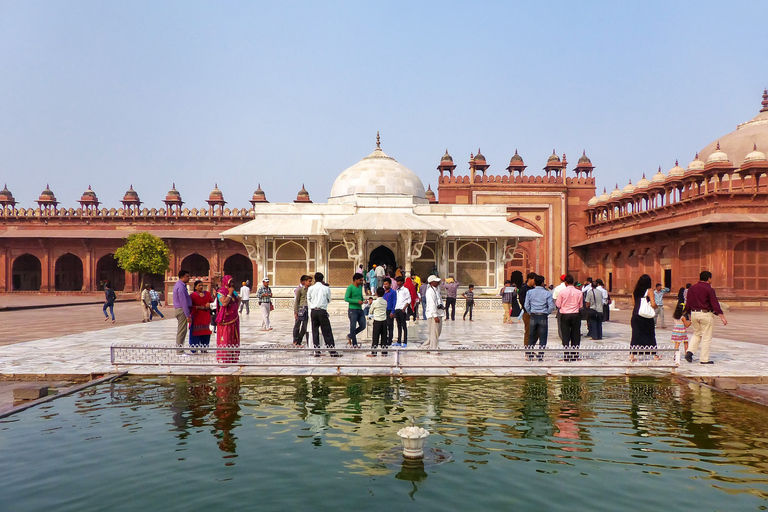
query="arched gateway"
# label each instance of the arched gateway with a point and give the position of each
(378, 212)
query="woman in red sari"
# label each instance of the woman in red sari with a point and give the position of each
(200, 334)
(228, 320)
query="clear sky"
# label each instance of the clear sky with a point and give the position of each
(283, 93)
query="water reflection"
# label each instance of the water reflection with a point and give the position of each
(649, 423)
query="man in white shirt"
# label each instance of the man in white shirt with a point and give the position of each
(318, 297)
(434, 311)
(606, 299)
(245, 294)
(401, 306)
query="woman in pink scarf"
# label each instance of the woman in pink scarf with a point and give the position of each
(228, 320)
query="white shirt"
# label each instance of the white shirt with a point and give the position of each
(604, 292)
(379, 273)
(245, 293)
(403, 297)
(557, 289)
(433, 300)
(586, 288)
(318, 296)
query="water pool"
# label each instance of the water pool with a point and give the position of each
(570, 444)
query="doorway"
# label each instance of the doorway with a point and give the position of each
(668, 278)
(382, 256)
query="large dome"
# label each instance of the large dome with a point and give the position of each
(377, 175)
(739, 143)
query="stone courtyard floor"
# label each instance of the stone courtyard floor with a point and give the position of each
(80, 347)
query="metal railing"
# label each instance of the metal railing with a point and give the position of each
(480, 356)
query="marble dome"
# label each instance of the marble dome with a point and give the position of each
(740, 142)
(380, 175)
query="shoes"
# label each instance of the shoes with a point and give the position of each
(706, 362)
(396, 345)
(370, 355)
(318, 354)
(689, 356)
(336, 355)
(471, 320)
(113, 321)
(404, 345)
(106, 318)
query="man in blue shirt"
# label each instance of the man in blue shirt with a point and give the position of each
(390, 296)
(539, 304)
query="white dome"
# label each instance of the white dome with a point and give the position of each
(718, 156)
(377, 175)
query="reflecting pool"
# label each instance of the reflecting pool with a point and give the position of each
(524, 444)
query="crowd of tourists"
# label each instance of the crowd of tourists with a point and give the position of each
(390, 299)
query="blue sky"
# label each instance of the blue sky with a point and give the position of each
(283, 93)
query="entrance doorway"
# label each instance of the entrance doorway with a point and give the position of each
(382, 256)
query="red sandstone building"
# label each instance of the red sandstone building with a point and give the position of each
(710, 215)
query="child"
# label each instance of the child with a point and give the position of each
(678, 331)
(378, 311)
(469, 295)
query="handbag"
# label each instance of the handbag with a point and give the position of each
(646, 310)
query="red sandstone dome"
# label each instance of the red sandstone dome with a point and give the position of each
(131, 195)
(259, 196)
(430, 194)
(739, 143)
(173, 195)
(584, 158)
(553, 158)
(479, 156)
(47, 196)
(216, 194)
(6, 196)
(516, 159)
(446, 157)
(89, 196)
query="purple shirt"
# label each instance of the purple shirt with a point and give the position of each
(181, 298)
(701, 297)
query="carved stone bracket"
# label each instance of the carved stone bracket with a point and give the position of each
(417, 245)
(509, 251)
(354, 242)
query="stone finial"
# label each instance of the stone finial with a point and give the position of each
(378, 141)
(764, 103)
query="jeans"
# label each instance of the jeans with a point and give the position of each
(402, 326)
(247, 304)
(538, 325)
(299, 330)
(423, 308)
(450, 303)
(538, 330)
(390, 326)
(468, 309)
(111, 310)
(356, 324)
(155, 310)
(595, 322)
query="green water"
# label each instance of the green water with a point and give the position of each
(533, 444)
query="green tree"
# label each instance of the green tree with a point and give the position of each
(143, 253)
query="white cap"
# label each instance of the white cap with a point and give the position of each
(433, 279)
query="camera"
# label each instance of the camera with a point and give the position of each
(440, 306)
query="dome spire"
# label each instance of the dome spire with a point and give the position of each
(378, 141)
(764, 103)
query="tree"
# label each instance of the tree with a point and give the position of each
(144, 254)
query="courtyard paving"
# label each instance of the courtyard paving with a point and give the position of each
(83, 340)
